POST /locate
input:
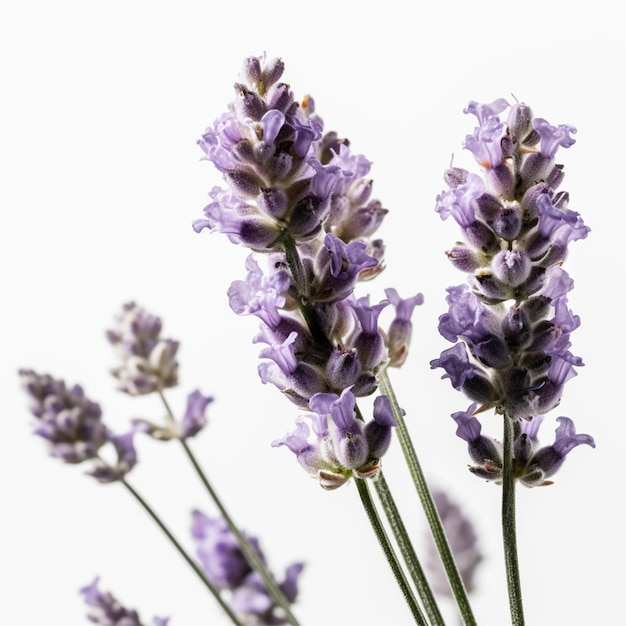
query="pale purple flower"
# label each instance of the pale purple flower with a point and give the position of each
(106, 610)
(512, 326)
(533, 464)
(463, 541)
(148, 362)
(227, 568)
(67, 419)
(337, 445)
(398, 337)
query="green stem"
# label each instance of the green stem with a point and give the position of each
(249, 552)
(509, 534)
(430, 510)
(301, 283)
(385, 544)
(408, 552)
(207, 583)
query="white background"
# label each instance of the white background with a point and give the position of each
(100, 178)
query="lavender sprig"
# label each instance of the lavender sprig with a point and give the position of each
(511, 326)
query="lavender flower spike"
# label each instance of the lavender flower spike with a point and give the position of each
(226, 567)
(148, 361)
(511, 326)
(65, 417)
(463, 544)
(72, 424)
(106, 610)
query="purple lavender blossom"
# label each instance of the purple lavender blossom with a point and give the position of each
(72, 424)
(148, 361)
(400, 330)
(533, 464)
(463, 541)
(106, 610)
(303, 198)
(192, 422)
(511, 326)
(332, 445)
(226, 567)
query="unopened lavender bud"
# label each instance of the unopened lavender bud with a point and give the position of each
(516, 327)
(491, 287)
(535, 168)
(520, 122)
(501, 179)
(343, 368)
(511, 267)
(244, 182)
(555, 177)
(488, 206)
(378, 431)
(281, 166)
(273, 202)
(247, 103)
(536, 307)
(507, 224)
(279, 97)
(251, 70)
(272, 71)
(464, 258)
(455, 177)
(307, 217)
(529, 202)
(482, 237)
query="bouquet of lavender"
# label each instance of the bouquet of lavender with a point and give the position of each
(300, 200)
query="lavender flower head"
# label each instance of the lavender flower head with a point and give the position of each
(72, 425)
(148, 361)
(511, 325)
(463, 541)
(226, 567)
(106, 610)
(299, 196)
(332, 445)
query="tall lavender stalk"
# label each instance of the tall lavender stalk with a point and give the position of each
(511, 324)
(301, 201)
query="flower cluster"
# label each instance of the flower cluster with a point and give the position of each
(511, 325)
(532, 464)
(106, 610)
(226, 567)
(148, 361)
(72, 424)
(300, 197)
(463, 543)
(342, 445)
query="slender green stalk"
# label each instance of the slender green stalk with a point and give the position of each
(407, 551)
(207, 583)
(248, 551)
(385, 544)
(430, 510)
(509, 534)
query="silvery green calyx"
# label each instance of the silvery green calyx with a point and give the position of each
(148, 361)
(72, 425)
(106, 610)
(511, 324)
